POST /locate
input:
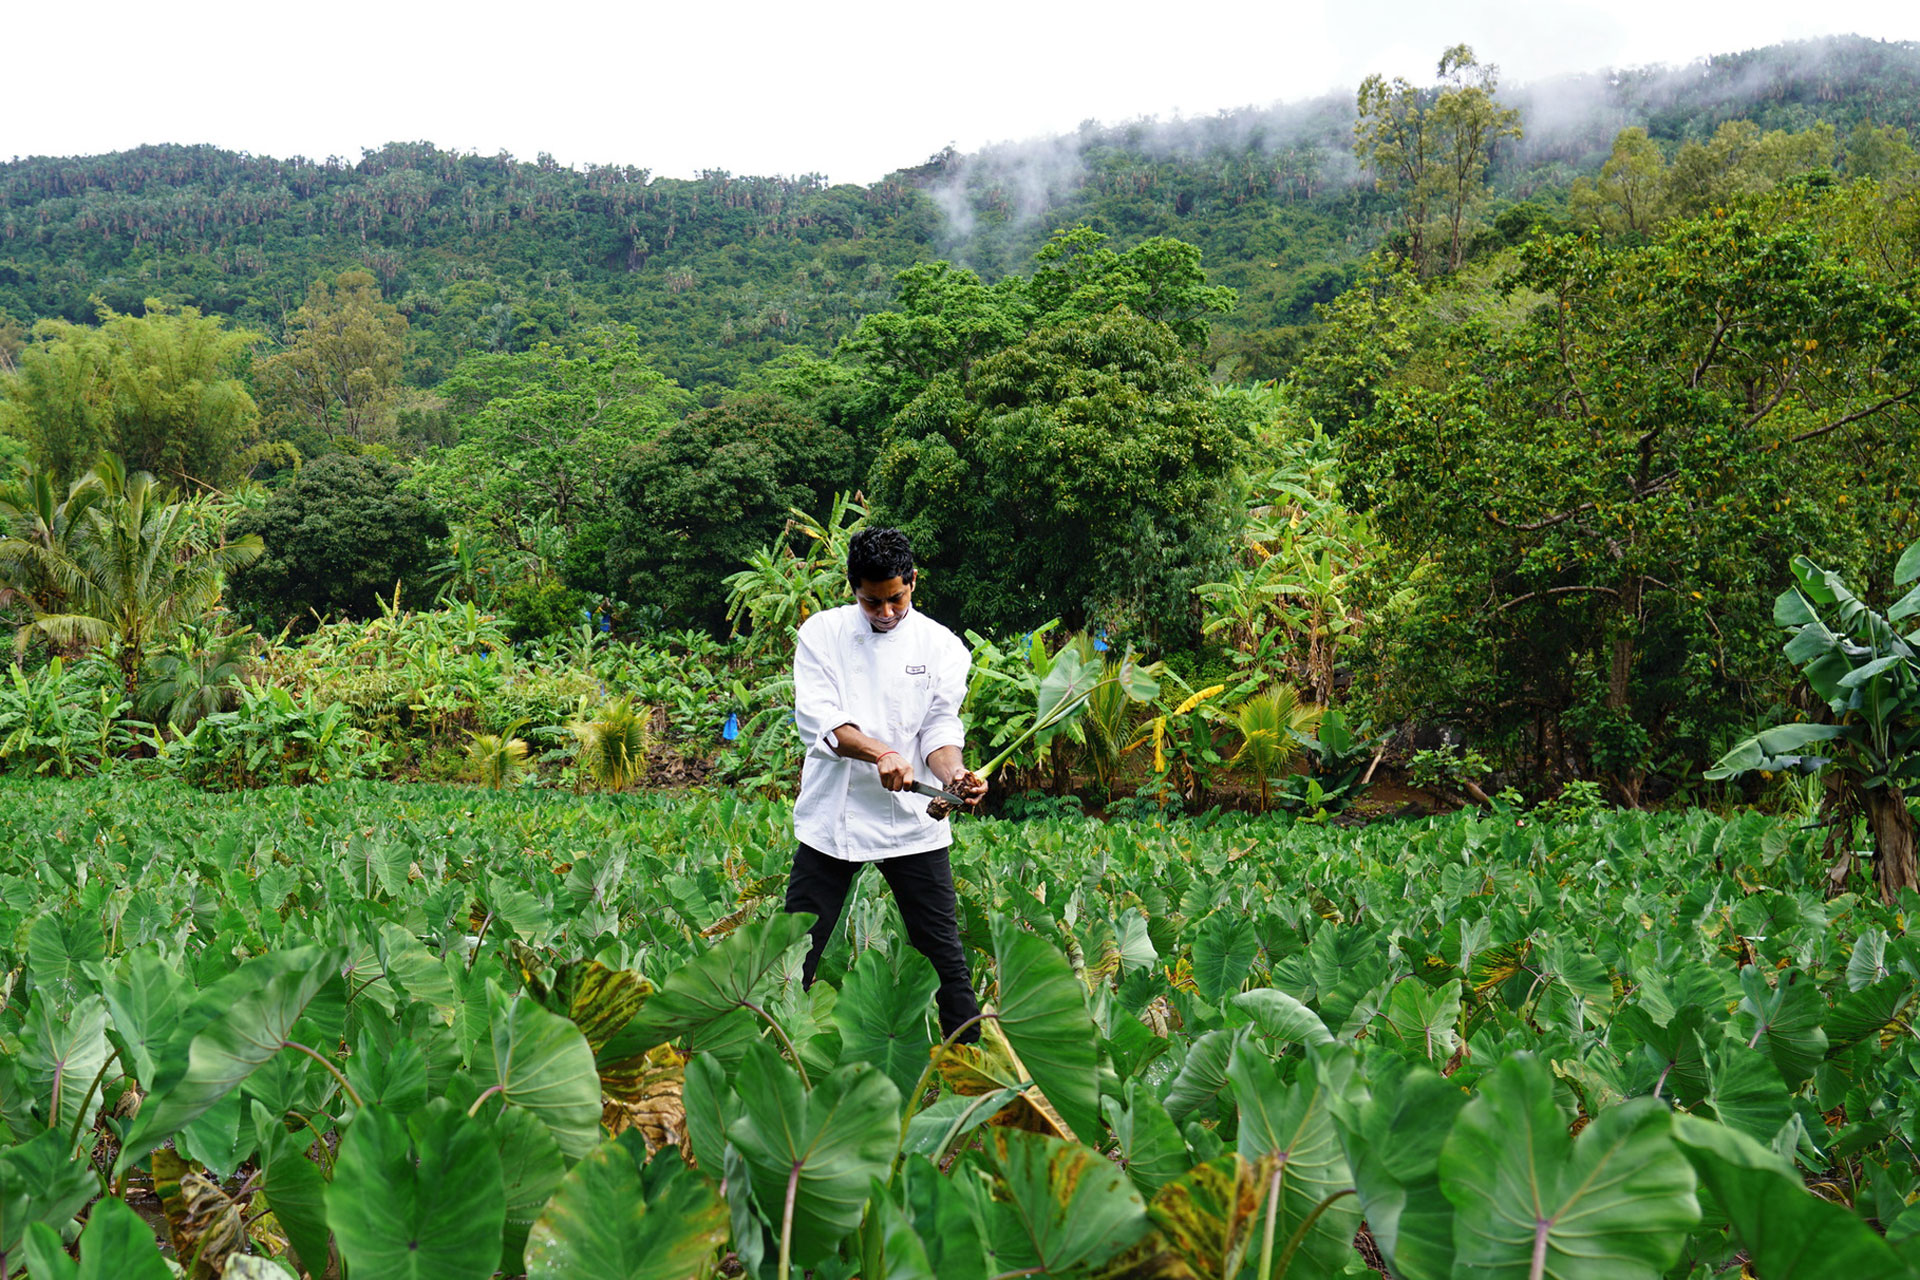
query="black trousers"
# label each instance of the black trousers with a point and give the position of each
(922, 885)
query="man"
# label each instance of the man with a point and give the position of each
(877, 692)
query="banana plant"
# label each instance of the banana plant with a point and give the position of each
(1857, 661)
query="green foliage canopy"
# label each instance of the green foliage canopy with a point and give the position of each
(1593, 478)
(161, 391)
(338, 536)
(695, 503)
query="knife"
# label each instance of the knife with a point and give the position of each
(928, 789)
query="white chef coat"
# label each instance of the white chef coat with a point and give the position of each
(904, 687)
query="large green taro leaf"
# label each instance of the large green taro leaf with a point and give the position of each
(1393, 1138)
(531, 1167)
(542, 1062)
(1290, 1128)
(40, 1182)
(712, 985)
(942, 1210)
(61, 946)
(903, 1253)
(295, 1190)
(1151, 1149)
(711, 1108)
(61, 1056)
(1783, 1021)
(1675, 1051)
(1066, 1206)
(228, 1049)
(1789, 1233)
(1203, 1075)
(1278, 1016)
(828, 1143)
(419, 1198)
(1223, 951)
(116, 1245)
(1747, 1094)
(604, 1223)
(882, 1015)
(1423, 1019)
(144, 994)
(1043, 1010)
(1616, 1205)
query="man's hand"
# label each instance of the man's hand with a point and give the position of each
(966, 784)
(896, 772)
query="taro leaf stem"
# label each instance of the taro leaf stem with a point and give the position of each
(1538, 1270)
(786, 1221)
(1273, 1217)
(793, 1054)
(1300, 1232)
(481, 1101)
(73, 1136)
(920, 1085)
(1066, 707)
(337, 1074)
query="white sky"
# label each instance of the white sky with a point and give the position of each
(849, 88)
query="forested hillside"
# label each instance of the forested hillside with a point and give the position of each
(1499, 413)
(720, 273)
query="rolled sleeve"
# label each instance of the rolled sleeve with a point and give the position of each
(943, 726)
(819, 702)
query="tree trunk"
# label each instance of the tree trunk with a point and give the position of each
(1893, 841)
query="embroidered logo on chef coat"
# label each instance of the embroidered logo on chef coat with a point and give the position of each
(916, 671)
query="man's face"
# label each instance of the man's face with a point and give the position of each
(884, 603)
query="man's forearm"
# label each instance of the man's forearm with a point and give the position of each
(947, 764)
(853, 743)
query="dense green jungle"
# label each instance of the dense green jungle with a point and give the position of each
(1440, 565)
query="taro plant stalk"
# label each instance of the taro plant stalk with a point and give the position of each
(1069, 685)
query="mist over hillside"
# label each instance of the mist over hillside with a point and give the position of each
(724, 272)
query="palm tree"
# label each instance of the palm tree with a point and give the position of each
(613, 745)
(498, 758)
(35, 521)
(196, 676)
(1268, 722)
(131, 569)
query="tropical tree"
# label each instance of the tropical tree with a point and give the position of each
(160, 391)
(698, 501)
(196, 675)
(340, 536)
(132, 570)
(340, 373)
(1081, 473)
(1430, 147)
(1587, 476)
(613, 744)
(546, 430)
(35, 520)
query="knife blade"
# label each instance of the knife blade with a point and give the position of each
(928, 789)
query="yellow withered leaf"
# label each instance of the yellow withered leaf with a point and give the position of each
(655, 1107)
(601, 1000)
(992, 1065)
(1207, 1215)
(203, 1221)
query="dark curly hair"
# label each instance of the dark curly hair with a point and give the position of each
(874, 555)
